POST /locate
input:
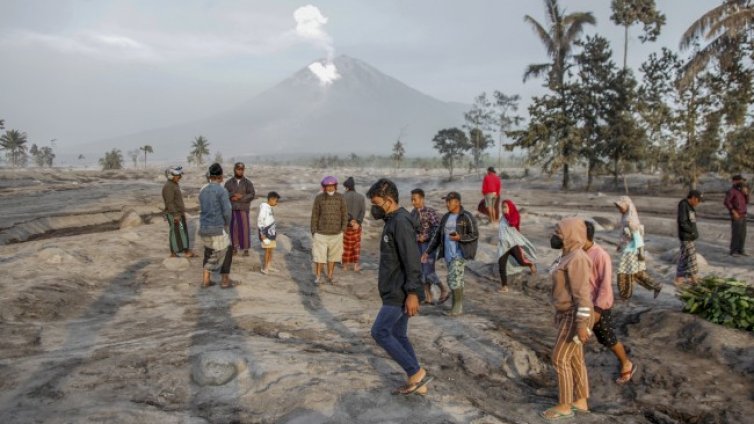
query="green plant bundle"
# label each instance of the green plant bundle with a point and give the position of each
(724, 301)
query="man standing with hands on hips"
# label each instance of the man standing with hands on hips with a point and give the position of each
(399, 284)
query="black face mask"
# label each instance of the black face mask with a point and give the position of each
(739, 185)
(556, 242)
(377, 212)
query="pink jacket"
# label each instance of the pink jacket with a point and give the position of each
(601, 279)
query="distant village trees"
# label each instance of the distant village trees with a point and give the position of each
(42, 156)
(146, 149)
(452, 144)
(13, 142)
(398, 153)
(112, 160)
(199, 149)
(681, 117)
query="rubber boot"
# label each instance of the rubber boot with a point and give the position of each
(457, 308)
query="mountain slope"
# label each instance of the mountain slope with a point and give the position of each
(363, 112)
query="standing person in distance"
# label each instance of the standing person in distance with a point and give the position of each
(491, 187)
(214, 223)
(355, 204)
(329, 221)
(241, 192)
(737, 201)
(175, 213)
(429, 223)
(267, 227)
(688, 234)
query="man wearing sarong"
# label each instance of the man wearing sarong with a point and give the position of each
(736, 201)
(175, 213)
(214, 220)
(241, 194)
(687, 234)
(355, 203)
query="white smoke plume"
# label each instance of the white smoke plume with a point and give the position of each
(310, 23)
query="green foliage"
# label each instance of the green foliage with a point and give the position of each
(14, 144)
(112, 160)
(724, 301)
(199, 149)
(629, 12)
(398, 152)
(42, 157)
(452, 144)
(146, 149)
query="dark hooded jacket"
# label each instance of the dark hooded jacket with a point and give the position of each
(465, 227)
(400, 265)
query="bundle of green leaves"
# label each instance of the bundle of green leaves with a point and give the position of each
(724, 301)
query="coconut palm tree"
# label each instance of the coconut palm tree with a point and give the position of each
(559, 38)
(146, 149)
(725, 28)
(200, 148)
(14, 143)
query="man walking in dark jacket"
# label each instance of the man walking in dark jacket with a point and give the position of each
(687, 233)
(457, 240)
(736, 201)
(399, 284)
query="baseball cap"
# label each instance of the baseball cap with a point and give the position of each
(452, 195)
(695, 193)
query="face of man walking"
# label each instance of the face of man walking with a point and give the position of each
(454, 205)
(330, 189)
(417, 201)
(239, 171)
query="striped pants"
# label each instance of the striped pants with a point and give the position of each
(568, 359)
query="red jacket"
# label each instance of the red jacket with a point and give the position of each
(491, 184)
(736, 200)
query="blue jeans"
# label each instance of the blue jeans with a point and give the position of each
(390, 331)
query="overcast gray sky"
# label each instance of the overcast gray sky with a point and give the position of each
(83, 70)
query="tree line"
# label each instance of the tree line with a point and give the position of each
(683, 113)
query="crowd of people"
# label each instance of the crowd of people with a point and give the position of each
(412, 242)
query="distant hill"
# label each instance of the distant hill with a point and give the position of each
(362, 112)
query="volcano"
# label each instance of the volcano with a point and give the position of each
(364, 111)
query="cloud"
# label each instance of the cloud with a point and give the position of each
(310, 26)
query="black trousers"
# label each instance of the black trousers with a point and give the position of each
(227, 261)
(502, 263)
(738, 235)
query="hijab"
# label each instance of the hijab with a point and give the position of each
(630, 218)
(513, 217)
(573, 232)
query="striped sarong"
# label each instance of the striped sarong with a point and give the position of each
(568, 360)
(687, 266)
(178, 234)
(351, 245)
(239, 230)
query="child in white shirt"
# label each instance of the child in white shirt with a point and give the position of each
(267, 233)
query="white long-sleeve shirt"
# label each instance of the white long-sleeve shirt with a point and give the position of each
(266, 217)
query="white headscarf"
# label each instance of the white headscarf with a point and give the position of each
(630, 218)
(173, 171)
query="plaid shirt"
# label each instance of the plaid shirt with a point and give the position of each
(428, 223)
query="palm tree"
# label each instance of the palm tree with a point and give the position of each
(724, 27)
(200, 148)
(14, 142)
(558, 39)
(146, 149)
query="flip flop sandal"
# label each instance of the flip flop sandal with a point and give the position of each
(443, 299)
(230, 284)
(578, 410)
(413, 388)
(625, 377)
(399, 390)
(207, 285)
(553, 415)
